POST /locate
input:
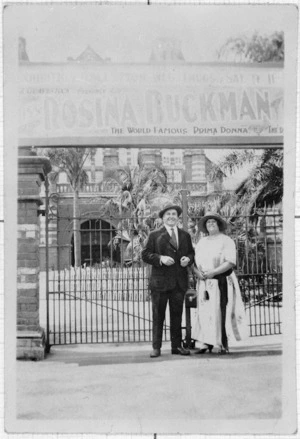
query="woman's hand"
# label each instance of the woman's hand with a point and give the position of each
(209, 274)
(199, 274)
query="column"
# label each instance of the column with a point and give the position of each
(198, 166)
(187, 160)
(30, 336)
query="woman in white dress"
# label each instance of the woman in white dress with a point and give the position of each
(220, 311)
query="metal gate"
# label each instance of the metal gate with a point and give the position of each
(105, 298)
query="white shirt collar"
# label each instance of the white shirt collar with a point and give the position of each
(170, 231)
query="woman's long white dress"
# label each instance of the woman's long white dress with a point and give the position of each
(210, 252)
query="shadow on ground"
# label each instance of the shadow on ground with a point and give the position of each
(103, 358)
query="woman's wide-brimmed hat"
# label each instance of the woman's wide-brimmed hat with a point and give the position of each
(170, 206)
(221, 222)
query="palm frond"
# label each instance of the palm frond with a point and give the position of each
(235, 160)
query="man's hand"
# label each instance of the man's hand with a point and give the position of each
(167, 260)
(184, 261)
(192, 295)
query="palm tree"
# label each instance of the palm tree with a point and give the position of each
(139, 186)
(71, 161)
(263, 186)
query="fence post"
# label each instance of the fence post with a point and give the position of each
(184, 192)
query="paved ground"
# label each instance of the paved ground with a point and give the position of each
(123, 390)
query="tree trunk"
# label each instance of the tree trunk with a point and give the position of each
(76, 230)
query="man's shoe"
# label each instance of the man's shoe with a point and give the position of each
(180, 351)
(155, 353)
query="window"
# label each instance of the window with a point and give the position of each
(96, 238)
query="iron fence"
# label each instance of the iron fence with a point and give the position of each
(99, 305)
(106, 298)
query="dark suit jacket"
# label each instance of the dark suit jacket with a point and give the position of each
(165, 277)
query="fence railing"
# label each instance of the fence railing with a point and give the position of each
(90, 305)
(107, 298)
(113, 305)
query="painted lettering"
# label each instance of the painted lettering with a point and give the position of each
(263, 105)
(112, 112)
(189, 113)
(85, 114)
(173, 108)
(206, 107)
(69, 114)
(225, 130)
(193, 110)
(228, 105)
(128, 115)
(154, 112)
(132, 130)
(246, 109)
(200, 130)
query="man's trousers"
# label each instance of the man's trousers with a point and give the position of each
(160, 300)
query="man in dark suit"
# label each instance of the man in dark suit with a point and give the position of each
(169, 250)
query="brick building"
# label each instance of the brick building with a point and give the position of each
(191, 163)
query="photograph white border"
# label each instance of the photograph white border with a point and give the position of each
(10, 213)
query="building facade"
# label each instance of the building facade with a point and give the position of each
(189, 168)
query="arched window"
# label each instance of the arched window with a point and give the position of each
(95, 237)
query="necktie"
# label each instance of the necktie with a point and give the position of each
(173, 238)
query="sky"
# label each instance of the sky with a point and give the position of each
(127, 33)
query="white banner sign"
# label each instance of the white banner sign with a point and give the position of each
(112, 103)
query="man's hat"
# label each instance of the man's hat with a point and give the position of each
(169, 207)
(221, 223)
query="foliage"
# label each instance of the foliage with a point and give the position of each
(231, 162)
(138, 184)
(71, 161)
(262, 187)
(257, 48)
(224, 203)
(138, 187)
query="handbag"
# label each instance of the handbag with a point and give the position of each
(190, 298)
(206, 295)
